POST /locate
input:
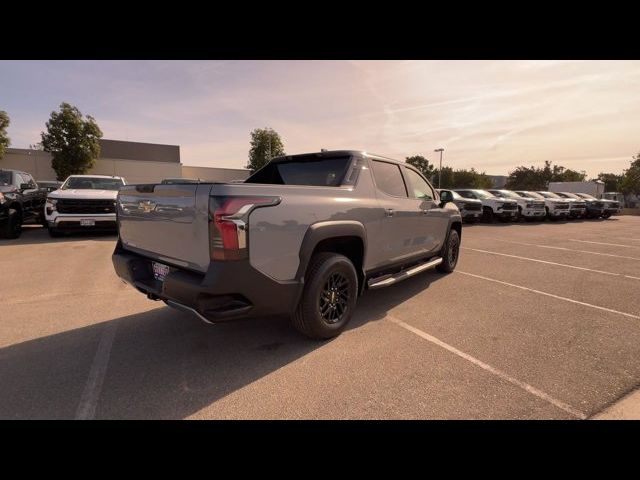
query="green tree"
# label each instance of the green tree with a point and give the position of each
(447, 180)
(612, 181)
(631, 182)
(266, 144)
(422, 164)
(471, 179)
(526, 178)
(72, 140)
(4, 138)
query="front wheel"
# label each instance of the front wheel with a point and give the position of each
(12, 227)
(54, 233)
(329, 296)
(450, 252)
(606, 215)
(487, 214)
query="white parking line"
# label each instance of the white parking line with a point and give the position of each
(598, 307)
(552, 263)
(499, 373)
(603, 243)
(565, 249)
(91, 393)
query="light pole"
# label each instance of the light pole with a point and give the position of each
(440, 169)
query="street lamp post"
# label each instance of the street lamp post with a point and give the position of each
(440, 169)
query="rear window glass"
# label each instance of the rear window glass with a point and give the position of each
(389, 179)
(319, 172)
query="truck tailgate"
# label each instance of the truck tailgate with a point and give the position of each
(166, 222)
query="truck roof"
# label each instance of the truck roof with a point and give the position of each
(95, 176)
(332, 154)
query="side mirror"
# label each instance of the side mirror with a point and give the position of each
(445, 197)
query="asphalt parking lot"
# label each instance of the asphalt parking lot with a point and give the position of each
(539, 321)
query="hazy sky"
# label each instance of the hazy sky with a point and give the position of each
(492, 115)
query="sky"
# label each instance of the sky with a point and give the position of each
(491, 115)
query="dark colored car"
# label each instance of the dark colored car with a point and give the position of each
(470, 208)
(611, 207)
(49, 185)
(21, 201)
(595, 207)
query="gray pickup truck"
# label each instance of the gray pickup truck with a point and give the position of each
(304, 236)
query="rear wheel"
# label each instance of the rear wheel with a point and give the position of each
(606, 215)
(12, 227)
(450, 252)
(329, 297)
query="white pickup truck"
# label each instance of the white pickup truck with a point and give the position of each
(83, 202)
(554, 207)
(528, 208)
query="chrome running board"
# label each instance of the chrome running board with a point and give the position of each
(404, 274)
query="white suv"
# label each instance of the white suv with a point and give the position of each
(83, 202)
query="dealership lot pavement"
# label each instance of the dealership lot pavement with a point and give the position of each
(540, 320)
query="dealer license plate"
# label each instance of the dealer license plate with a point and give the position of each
(160, 271)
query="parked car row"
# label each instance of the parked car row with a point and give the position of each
(508, 205)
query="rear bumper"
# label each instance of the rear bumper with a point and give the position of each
(227, 291)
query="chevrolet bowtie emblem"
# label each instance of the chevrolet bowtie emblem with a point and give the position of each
(147, 206)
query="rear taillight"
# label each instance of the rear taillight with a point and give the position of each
(229, 222)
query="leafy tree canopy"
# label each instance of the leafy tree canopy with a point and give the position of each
(266, 144)
(72, 140)
(422, 164)
(4, 138)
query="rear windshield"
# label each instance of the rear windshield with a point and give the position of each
(319, 172)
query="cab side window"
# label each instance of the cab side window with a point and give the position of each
(389, 179)
(418, 186)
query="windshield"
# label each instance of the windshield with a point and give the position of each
(306, 170)
(5, 178)
(483, 194)
(569, 195)
(531, 195)
(508, 194)
(549, 195)
(92, 183)
(586, 195)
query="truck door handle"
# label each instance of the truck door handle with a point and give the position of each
(388, 212)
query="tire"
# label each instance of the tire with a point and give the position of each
(12, 226)
(518, 216)
(329, 297)
(606, 215)
(450, 252)
(54, 233)
(487, 214)
(549, 217)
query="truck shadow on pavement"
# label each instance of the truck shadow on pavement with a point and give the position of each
(36, 234)
(165, 364)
